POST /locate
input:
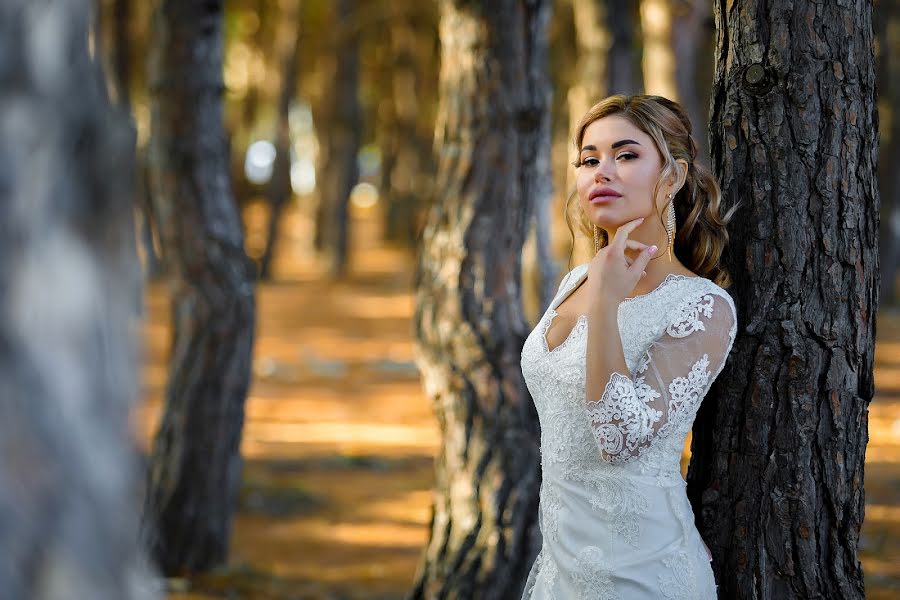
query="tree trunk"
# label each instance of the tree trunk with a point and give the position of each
(493, 151)
(121, 50)
(406, 155)
(279, 189)
(607, 64)
(116, 26)
(262, 42)
(196, 464)
(776, 478)
(593, 40)
(689, 46)
(604, 34)
(68, 281)
(625, 76)
(658, 56)
(340, 171)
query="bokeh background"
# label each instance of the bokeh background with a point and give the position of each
(339, 440)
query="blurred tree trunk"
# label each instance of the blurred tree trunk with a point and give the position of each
(262, 44)
(493, 151)
(279, 190)
(690, 46)
(624, 70)
(405, 154)
(114, 24)
(68, 279)
(196, 465)
(604, 31)
(341, 171)
(120, 52)
(658, 56)
(888, 64)
(776, 478)
(607, 63)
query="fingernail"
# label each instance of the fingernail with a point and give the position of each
(653, 249)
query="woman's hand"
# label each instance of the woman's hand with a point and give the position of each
(612, 275)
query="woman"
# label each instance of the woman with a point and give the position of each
(619, 363)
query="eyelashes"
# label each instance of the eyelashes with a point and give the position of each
(591, 161)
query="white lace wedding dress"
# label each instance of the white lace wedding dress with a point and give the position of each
(614, 515)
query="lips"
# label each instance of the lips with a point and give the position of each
(603, 196)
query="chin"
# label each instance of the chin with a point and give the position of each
(602, 216)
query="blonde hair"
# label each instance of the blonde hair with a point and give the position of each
(700, 230)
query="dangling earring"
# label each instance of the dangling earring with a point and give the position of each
(670, 226)
(596, 239)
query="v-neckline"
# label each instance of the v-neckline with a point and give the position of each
(551, 312)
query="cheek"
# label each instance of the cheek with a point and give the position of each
(642, 177)
(583, 181)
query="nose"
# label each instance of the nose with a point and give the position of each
(601, 171)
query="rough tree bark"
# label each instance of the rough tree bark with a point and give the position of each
(195, 467)
(68, 280)
(776, 478)
(493, 147)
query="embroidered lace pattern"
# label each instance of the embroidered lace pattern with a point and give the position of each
(679, 583)
(611, 465)
(593, 579)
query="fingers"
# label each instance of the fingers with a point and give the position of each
(623, 232)
(635, 245)
(640, 263)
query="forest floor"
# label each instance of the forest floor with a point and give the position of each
(339, 439)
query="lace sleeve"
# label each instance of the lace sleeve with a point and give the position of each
(671, 380)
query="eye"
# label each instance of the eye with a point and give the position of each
(629, 155)
(590, 161)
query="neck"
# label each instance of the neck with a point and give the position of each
(657, 270)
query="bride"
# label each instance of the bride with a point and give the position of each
(620, 361)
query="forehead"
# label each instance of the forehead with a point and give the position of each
(605, 131)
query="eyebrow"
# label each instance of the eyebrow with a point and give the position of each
(614, 145)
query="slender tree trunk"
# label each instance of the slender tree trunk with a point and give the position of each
(493, 148)
(261, 41)
(658, 56)
(344, 123)
(196, 463)
(776, 478)
(407, 154)
(606, 64)
(625, 76)
(68, 279)
(689, 45)
(593, 40)
(121, 51)
(279, 190)
(119, 58)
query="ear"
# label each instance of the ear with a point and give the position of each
(678, 179)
